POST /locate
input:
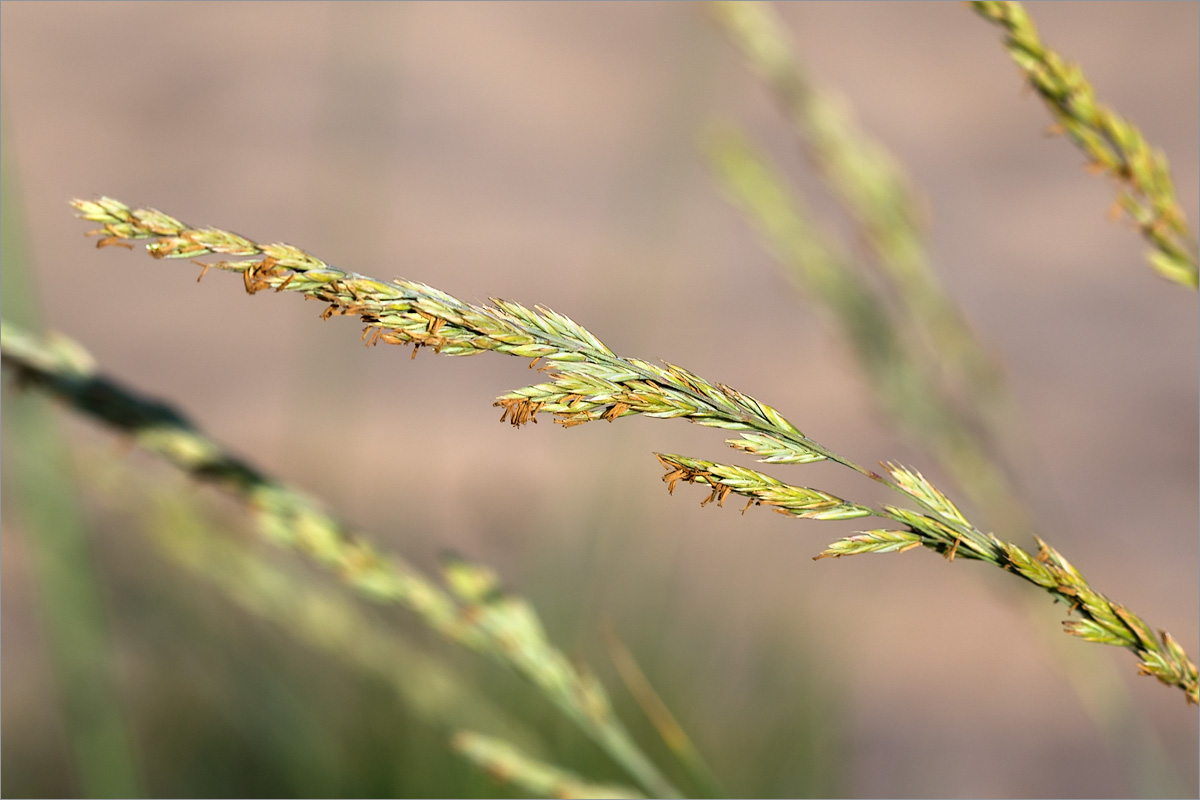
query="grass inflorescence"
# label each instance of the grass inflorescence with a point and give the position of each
(471, 609)
(929, 373)
(863, 175)
(587, 382)
(1113, 144)
(507, 764)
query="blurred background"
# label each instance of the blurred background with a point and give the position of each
(552, 154)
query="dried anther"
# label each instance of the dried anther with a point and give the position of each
(520, 410)
(671, 478)
(258, 274)
(719, 493)
(614, 411)
(953, 551)
(433, 323)
(678, 472)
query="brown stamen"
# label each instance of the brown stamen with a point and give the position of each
(953, 550)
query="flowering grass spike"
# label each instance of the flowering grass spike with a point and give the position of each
(587, 382)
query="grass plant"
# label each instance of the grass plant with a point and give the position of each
(325, 619)
(472, 610)
(1113, 145)
(509, 765)
(929, 373)
(868, 182)
(587, 382)
(71, 591)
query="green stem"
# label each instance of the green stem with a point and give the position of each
(65, 576)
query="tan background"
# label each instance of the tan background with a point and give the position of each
(549, 154)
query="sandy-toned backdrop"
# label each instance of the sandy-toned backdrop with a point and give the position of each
(549, 153)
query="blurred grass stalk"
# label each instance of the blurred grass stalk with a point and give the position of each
(903, 382)
(508, 764)
(875, 191)
(326, 620)
(928, 368)
(1112, 144)
(928, 403)
(652, 705)
(475, 612)
(436, 692)
(70, 601)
